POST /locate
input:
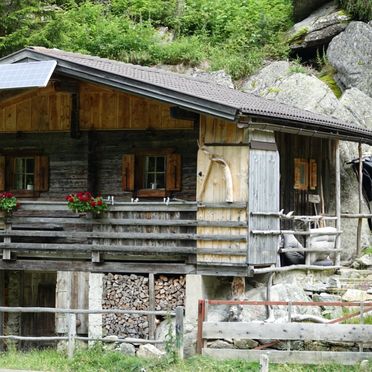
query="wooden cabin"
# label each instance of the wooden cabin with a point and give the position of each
(195, 173)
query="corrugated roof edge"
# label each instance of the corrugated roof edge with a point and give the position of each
(230, 105)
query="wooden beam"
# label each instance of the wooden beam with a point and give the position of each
(151, 317)
(338, 199)
(296, 357)
(118, 267)
(288, 331)
(360, 199)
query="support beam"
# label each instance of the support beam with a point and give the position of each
(360, 197)
(338, 200)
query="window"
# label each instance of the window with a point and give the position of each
(305, 174)
(154, 172)
(151, 173)
(24, 174)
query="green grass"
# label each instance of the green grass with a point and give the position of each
(96, 360)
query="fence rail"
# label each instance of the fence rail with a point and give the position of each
(328, 331)
(71, 336)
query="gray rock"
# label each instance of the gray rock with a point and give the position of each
(302, 8)
(365, 365)
(267, 78)
(149, 351)
(127, 349)
(356, 295)
(279, 292)
(319, 28)
(220, 344)
(245, 344)
(359, 105)
(331, 311)
(365, 260)
(219, 77)
(350, 53)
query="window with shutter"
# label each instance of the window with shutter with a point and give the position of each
(152, 173)
(24, 174)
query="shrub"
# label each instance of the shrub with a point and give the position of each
(359, 9)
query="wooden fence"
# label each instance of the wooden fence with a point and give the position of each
(71, 336)
(289, 331)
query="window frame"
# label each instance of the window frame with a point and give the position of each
(41, 172)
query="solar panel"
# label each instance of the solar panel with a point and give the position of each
(26, 75)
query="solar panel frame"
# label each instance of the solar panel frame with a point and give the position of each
(26, 74)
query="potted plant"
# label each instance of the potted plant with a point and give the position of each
(8, 204)
(85, 202)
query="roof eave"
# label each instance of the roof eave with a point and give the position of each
(129, 85)
(308, 129)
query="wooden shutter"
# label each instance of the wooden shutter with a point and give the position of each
(2, 173)
(41, 173)
(174, 172)
(128, 172)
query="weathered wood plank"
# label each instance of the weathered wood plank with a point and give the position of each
(288, 331)
(125, 221)
(296, 357)
(113, 235)
(119, 267)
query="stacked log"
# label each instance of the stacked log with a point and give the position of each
(131, 292)
(169, 292)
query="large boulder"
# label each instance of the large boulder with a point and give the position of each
(302, 8)
(219, 77)
(279, 292)
(305, 91)
(350, 53)
(319, 28)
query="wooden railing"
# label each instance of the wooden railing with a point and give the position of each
(130, 232)
(71, 335)
(296, 328)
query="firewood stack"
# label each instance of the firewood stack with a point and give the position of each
(132, 292)
(169, 292)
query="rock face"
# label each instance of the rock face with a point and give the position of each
(219, 77)
(278, 82)
(350, 53)
(302, 8)
(319, 28)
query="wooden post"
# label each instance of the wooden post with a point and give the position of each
(179, 331)
(151, 318)
(201, 318)
(264, 363)
(7, 240)
(289, 321)
(2, 304)
(308, 255)
(360, 220)
(361, 322)
(71, 334)
(338, 202)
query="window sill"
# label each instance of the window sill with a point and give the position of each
(150, 193)
(25, 193)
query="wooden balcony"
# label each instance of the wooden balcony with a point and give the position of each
(131, 237)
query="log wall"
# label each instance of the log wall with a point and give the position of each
(93, 161)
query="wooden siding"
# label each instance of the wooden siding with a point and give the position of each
(39, 110)
(108, 109)
(221, 134)
(263, 197)
(49, 110)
